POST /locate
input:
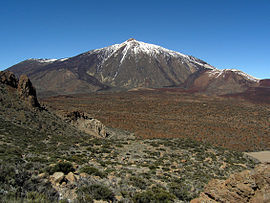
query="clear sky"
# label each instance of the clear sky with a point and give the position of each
(224, 33)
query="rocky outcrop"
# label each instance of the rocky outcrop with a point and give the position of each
(8, 78)
(92, 126)
(71, 177)
(27, 92)
(65, 185)
(24, 87)
(247, 186)
(87, 124)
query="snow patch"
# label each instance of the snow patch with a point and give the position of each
(43, 60)
(63, 59)
(218, 73)
(249, 77)
(215, 73)
(47, 60)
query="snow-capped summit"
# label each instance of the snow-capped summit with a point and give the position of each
(151, 49)
(136, 48)
(139, 60)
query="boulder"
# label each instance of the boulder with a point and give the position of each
(42, 175)
(57, 178)
(71, 177)
(246, 186)
(84, 175)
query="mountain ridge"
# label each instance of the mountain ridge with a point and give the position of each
(131, 64)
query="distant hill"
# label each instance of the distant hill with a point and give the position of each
(257, 94)
(221, 82)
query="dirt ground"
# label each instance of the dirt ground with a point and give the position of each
(263, 156)
(229, 123)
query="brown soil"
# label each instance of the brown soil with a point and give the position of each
(228, 122)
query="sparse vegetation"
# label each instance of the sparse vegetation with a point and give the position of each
(64, 167)
(92, 171)
(95, 191)
(154, 195)
(224, 122)
(34, 144)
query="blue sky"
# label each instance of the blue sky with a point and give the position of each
(224, 33)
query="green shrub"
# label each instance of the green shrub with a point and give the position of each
(36, 197)
(17, 184)
(95, 191)
(153, 195)
(181, 191)
(138, 182)
(152, 167)
(64, 167)
(85, 198)
(92, 171)
(65, 201)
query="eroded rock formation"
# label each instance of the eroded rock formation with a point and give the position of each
(27, 91)
(87, 124)
(24, 87)
(247, 186)
(8, 78)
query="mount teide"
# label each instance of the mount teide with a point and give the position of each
(128, 65)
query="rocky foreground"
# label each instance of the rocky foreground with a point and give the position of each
(247, 186)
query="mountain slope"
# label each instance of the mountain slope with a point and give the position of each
(257, 94)
(221, 82)
(122, 66)
(131, 64)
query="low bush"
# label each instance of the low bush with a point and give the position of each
(64, 167)
(36, 197)
(95, 191)
(138, 182)
(19, 185)
(153, 195)
(181, 191)
(92, 171)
